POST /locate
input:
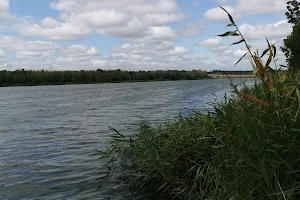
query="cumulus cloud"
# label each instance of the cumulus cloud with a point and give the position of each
(211, 42)
(273, 31)
(158, 50)
(7, 20)
(79, 51)
(246, 7)
(261, 7)
(30, 54)
(42, 54)
(143, 56)
(138, 20)
(216, 46)
(62, 31)
(15, 43)
(217, 14)
(239, 53)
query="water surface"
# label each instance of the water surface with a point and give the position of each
(48, 134)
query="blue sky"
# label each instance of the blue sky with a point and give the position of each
(134, 34)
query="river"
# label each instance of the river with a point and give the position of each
(49, 134)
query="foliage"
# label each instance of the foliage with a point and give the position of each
(22, 77)
(293, 13)
(246, 149)
(291, 48)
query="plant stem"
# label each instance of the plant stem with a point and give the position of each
(247, 46)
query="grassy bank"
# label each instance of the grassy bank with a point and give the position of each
(242, 150)
(247, 148)
(231, 76)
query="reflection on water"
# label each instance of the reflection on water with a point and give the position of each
(48, 134)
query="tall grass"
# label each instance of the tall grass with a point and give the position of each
(247, 148)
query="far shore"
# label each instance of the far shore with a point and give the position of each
(223, 76)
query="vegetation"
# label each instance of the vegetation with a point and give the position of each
(246, 149)
(293, 13)
(231, 72)
(291, 47)
(22, 77)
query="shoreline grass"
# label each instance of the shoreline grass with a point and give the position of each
(242, 150)
(247, 148)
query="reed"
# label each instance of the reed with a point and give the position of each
(247, 148)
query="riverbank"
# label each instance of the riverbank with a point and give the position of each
(226, 76)
(246, 148)
(84, 83)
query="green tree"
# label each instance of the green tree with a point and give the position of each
(293, 13)
(291, 47)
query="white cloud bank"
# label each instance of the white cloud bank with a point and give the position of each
(136, 20)
(246, 7)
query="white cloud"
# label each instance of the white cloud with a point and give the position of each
(139, 20)
(211, 42)
(79, 51)
(4, 10)
(239, 53)
(2, 53)
(7, 20)
(30, 54)
(272, 31)
(49, 22)
(192, 29)
(42, 54)
(224, 1)
(216, 46)
(145, 56)
(246, 7)
(162, 19)
(158, 50)
(261, 7)
(14, 43)
(63, 31)
(217, 14)
(157, 34)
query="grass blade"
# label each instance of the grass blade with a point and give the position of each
(241, 59)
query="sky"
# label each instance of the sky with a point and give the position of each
(135, 34)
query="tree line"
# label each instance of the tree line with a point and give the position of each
(43, 77)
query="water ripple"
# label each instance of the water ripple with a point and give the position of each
(48, 134)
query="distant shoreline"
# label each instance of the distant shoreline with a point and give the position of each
(44, 78)
(137, 81)
(223, 76)
(99, 83)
